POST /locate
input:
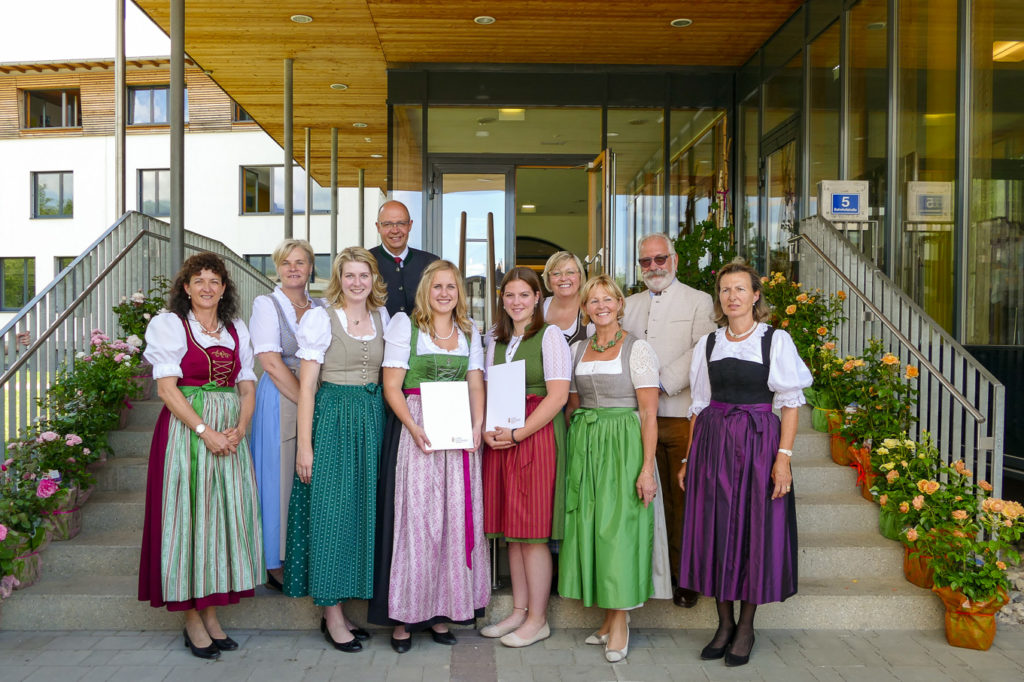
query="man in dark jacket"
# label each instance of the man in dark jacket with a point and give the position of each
(399, 265)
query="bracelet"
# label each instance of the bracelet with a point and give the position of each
(512, 435)
(787, 453)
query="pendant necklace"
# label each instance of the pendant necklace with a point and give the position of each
(212, 333)
(600, 348)
(731, 333)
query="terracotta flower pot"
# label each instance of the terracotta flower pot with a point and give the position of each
(970, 624)
(840, 451)
(917, 568)
(861, 458)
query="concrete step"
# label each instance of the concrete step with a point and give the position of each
(818, 512)
(109, 510)
(110, 603)
(94, 553)
(144, 412)
(823, 475)
(122, 473)
(856, 555)
(132, 441)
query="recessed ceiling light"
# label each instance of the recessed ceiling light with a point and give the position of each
(528, 208)
(376, 156)
(359, 125)
(301, 18)
(876, 26)
(339, 86)
(483, 133)
(484, 20)
(367, 139)
(680, 23)
(508, 114)
(611, 134)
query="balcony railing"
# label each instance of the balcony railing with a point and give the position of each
(57, 322)
(960, 403)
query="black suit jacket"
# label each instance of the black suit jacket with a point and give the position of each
(402, 281)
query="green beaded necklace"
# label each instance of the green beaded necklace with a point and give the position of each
(610, 344)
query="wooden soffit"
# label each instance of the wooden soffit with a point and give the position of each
(243, 46)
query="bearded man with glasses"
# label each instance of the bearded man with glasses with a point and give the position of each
(400, 265)
(671, 317)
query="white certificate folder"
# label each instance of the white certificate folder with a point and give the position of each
(506, 396)
(446, 416)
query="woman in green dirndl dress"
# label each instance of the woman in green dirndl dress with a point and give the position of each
(610, 483)
(332, 511)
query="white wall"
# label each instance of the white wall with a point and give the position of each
(212, 195)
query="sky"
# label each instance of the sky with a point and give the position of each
(74, 29)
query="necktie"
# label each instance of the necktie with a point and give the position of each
(398, 261)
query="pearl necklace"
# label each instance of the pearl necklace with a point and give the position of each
(445, 338)
(302, 307)
(730, 332)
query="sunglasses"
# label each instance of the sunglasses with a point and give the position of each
(646, 262)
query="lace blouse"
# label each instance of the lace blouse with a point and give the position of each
(264, 325)
(314, 334)
(643, 366)
(557, 359)
(166, 345)
(788, 376)
(399, 334)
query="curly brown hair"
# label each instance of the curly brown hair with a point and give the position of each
(178, 301)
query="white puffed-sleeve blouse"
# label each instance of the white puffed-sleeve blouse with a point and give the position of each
(314, 334)
(788, 376)
(643, 366)
(166, 345)
(264, 324)
(553, 348)
(399, 335)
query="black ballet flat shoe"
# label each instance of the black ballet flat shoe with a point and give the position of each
(360, 634)
(732, 660)
(201, 652)
(349, 647)
(273, 583)
(226, 644)
(446, 638)
(401, 645)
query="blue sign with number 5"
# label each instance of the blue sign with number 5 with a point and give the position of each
(845, 204)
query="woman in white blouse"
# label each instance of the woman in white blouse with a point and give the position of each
(332, 514)
(520, 463)
(201, 541)
(432, 562)
(607, 555)
(739, 528)
(274, 322)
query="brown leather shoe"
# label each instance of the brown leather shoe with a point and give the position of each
(685, 598)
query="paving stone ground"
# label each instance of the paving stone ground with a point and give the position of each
(654, 656)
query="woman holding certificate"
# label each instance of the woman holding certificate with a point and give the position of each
(609, 525)
(519, 463)
(432, 565)
(331, 516)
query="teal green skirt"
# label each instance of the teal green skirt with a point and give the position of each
(609, 535)
(331, 520)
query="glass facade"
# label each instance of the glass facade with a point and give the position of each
(824, 99)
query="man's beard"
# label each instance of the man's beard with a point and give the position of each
(657, 280)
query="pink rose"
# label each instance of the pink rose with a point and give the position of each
(117, 358)
(49, 436)
(3, 532)
(86, 451)
(46, 488)
(72, 439)
(912, 534)
(71, 460)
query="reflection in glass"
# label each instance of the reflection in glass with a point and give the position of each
(780, 172)
(407, 166)
(697, 153)
(533, 130)
(752, 244)
(782, 94)
(823, 117)
(995, 275)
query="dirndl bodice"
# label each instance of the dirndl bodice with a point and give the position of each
(216, 364)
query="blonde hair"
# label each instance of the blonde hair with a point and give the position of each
(356, 254)
(554, 260)
(422, 315)
(761, 311)
(282, 250)
(610, 286)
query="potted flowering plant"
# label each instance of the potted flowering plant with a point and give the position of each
(969, 546)
(810, 316)
(704, 251)
(901, 463)
(134, 312)
(25, 496)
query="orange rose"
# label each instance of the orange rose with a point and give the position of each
(1000, 565)
(848, 366)
(890, 359)
(791, 310)
(929, 487)
(918, 502)
(912, 534)
(802, 298)
(785, 323)
(882, 500)
(764, 280)
(904, 507)
(985, 485)
(1012, 510)
(829, 346)
(822, 331)
(959, 515)
(912, 372)
(892, 476)
(858, 363)
(841, 294)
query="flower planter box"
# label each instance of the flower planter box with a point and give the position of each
(840, 451)
(861, 458)
(917, 568)
(65, 521)
(26, 564)
(969, 624)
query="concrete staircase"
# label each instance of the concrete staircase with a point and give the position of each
(850, 576)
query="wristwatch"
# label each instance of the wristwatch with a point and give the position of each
(200, 429)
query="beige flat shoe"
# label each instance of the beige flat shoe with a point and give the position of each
(494, 631)
(595, 638)
(617, 655)
(515, 641)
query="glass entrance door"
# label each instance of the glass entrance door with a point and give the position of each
(780, 196)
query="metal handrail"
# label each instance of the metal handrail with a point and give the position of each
(946, 383)
(959, 401)
(58, 320)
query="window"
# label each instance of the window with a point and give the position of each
(240, 115)
(155, 192)
(52, 195)
(263, 191)
(52, 109)
(147, 105)
(17, 282)
(262, 262)
(61, 262)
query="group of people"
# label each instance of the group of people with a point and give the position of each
(650, 463)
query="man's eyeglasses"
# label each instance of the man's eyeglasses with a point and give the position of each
(646, 261)
(399, 223)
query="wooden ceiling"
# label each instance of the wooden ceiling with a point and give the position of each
(355, 41)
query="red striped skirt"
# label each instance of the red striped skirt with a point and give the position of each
(519, 484)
